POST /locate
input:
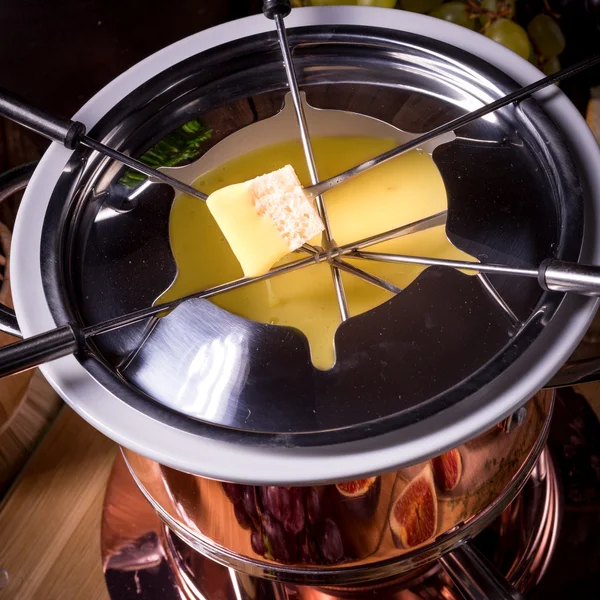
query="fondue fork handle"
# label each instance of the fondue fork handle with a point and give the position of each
(561, 276)
(520, 94)
(475, 577)
(39, 349)
(26, 354)
(64, 131)
(73, 133)
(273, 8)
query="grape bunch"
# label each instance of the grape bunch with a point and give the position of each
(287, 524)
(542, 42)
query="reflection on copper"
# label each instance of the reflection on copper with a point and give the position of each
(129, 529)
(345, 525)
(144, 560)
(414, 516)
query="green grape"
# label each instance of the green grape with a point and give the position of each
(419, 6)
(455, 12)
(382, 3)
(490, 6)
(511, 35)
(496, 8)
(551, 66)
(546, 35)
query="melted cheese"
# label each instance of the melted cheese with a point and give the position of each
(401, 191)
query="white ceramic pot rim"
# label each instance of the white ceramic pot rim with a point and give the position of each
(221, 460)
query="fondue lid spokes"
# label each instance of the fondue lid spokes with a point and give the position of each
(467, 351)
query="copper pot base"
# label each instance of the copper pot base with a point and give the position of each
(142, 559)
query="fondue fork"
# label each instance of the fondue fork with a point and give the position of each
(551, 274)
(73, 133)
(277, 10)
(70, 338)
(328, 184)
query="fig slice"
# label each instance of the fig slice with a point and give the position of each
(356, 488)
(447, 469)
(360, 496)
(413, 519)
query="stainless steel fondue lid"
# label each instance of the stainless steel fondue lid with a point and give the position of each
(431, 368)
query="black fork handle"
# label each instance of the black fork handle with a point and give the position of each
(66, 132)
(34, 351)
(273, 8)
(39, 349)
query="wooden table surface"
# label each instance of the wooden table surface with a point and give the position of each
(50, 520)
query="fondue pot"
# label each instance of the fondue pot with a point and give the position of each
(434, 399)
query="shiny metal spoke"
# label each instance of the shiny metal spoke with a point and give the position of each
(154, 174)
(368, 277)
(494, 295)
(328, 242)
(436, 220)
(139, 315)
(308, 249)
(440, 262)
(452, 125)
(340, 294)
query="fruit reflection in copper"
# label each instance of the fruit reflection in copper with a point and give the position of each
(329, 540)
(285, 504)
(287, 524)
(360, 496)
(244, 506)
(414, 514)
(447, 469)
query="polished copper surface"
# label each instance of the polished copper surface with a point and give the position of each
(357, 531)
(142, 559)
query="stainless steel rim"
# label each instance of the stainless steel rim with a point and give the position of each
(285, 465)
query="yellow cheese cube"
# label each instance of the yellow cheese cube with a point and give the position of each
(265, 219)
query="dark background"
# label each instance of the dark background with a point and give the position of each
(59, 53)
